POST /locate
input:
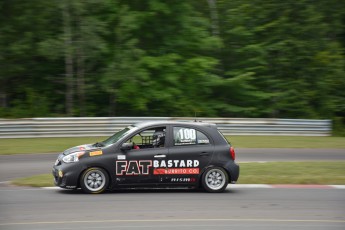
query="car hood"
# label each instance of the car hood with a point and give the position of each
(79, 148)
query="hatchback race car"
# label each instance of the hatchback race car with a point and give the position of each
(151, 154)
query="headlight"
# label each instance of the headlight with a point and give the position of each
(73, 157)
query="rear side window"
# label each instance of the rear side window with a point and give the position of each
(189, 136)
(224, 137)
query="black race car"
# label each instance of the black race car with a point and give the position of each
(151, 154)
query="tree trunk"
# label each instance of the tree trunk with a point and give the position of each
(212, 4)
(80, 66)
(81, 81)
(112, 105)
(68, 58)
(3, 98)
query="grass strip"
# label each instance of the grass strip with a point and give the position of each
(321, 173)
(293, 173)
(287, 142)
(53, 145)
(42, 145)
(42, 180)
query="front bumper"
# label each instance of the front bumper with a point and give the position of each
(66, 175)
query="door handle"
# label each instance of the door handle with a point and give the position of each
(160, 156)
(204, 154)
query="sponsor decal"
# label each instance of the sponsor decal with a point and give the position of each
(203, 141)
(133, 167)
(161, 167)
(182, 179)
(70, 186)
(121, 157)
(175, 171)
(175, 163)
(96, 153)
(83, 147)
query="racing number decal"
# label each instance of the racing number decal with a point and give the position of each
(187, 134)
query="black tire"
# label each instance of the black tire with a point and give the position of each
(215, 179)
(94, 180)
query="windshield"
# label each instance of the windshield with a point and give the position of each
(117, 136)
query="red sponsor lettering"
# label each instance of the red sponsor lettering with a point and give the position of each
(175, 171)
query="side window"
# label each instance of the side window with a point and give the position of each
(149, 138)
(202, 139)
(189, 136)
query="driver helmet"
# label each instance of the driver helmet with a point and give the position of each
(158, 138)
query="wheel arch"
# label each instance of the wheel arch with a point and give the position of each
(212, 166)
(95, 166)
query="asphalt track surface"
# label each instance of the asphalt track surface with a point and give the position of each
(22, 165)
(238, 208)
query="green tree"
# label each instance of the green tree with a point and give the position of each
(78, 43)
(288, 49)
(24, 78)
(123, 75)
(178, 57)
(236, 58)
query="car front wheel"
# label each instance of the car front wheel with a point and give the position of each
(94, 180)
(215, 179)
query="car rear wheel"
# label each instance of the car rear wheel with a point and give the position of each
(94, 180)
(215, 179)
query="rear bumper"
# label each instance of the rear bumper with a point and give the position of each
(233, 170)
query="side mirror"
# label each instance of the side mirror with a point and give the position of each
(126, 146)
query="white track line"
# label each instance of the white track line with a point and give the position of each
(235, 186)
(338, 186)
(249, 186)
(171, 220)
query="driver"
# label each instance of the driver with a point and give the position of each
(158, 138)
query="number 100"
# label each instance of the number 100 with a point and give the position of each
(188, 134)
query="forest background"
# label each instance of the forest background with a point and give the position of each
(213, 58)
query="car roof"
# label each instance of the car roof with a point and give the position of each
(154, 123)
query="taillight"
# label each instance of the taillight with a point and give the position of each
(232, 153)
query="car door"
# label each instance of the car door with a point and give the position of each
(190, 152)
(135, 166)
